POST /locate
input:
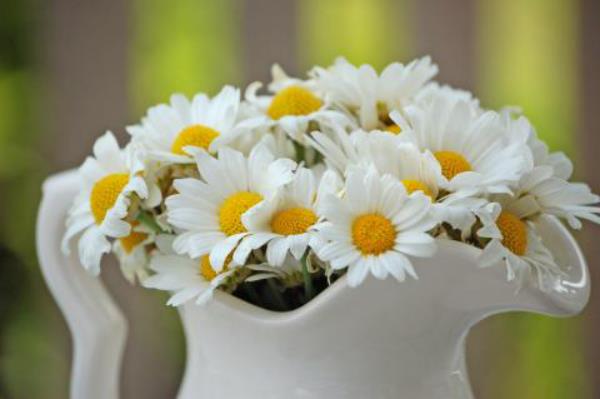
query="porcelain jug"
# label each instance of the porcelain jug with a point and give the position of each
(381, 340)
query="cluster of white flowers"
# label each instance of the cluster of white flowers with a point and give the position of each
(349, 171)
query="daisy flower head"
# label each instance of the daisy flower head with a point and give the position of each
(293, 104)
(371, 96)
(417, 170)
(186, 278)
(545, 188)
(433, 89)
(420, 171)
(476, 152)
(375, 227)
(132, 252)
(173, 132)
(110, 181)
(514, 240)
(285, 222)
(208, 213)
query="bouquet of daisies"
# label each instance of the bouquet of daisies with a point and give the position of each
(273, 196)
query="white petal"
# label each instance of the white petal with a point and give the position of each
(75, 227)
(249, 243)
(92, 245)
(357, 272)
(377, 268)
(395, 265)
(298, 244)
(108, 153)
(276, 251)
(196, 244)
(184, 295)
(493, 252)
(219, 253)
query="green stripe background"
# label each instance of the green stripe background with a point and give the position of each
(527, 54)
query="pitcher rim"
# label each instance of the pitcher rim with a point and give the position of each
(445, 246)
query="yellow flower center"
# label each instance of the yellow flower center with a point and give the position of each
(514, 233)
(293, 221)
(196, 136)
(415, 185)
(395, 129)
(206, 269)
(232, 209)
(132, 240)
(105, 193)
(452, 163)
(293, 100)
(373, 234)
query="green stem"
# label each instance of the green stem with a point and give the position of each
(300, 152)
(276, 294)
(308, 285)
(147, 220)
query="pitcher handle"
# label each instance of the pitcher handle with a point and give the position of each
(97, 326)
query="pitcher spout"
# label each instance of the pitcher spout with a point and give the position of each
(488, 291)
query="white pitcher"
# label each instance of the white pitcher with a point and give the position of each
(383, 339)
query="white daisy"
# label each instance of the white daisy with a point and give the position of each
(132, 253)
(294, 104)
(170, 133)
(208, 213)
(285, 222)
(186, 278)
(433, 89)
(477, 152)
(374, 227)
(109, 180)
(545, 189)
(514, 240)
(416, 170)
(371, 96)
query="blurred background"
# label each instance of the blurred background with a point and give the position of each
(70, 69)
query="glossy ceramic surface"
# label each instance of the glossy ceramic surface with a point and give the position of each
(380, 340)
